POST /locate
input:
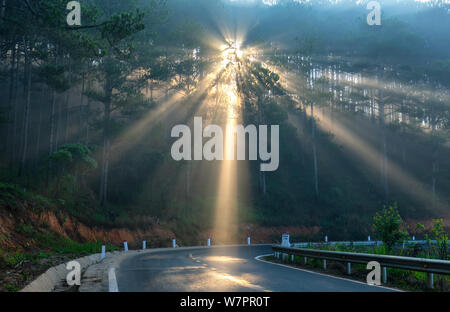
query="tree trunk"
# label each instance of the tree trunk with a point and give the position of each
(3, 8)
(58, 125)
(188, 180)
(313, 137)
(262, 176)
(403, 134)
(80, 116)
(52, 122)
(11, 100)
(87, 115)
(15, 112)
(262, 181)
(38, 135)
(67, 127)
(106, 145)
(435, 155)
(151, 91)
(384, 161)
(28, 65)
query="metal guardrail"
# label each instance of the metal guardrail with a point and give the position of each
(408, 263)
(429, 266)
(422, 243)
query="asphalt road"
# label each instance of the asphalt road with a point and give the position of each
(225, 269)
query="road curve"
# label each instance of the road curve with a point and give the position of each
(224, 269)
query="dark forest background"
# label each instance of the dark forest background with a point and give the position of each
(86, 112)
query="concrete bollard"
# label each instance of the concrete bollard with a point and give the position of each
(248, 241)
(209, 242)
(174, 243)
(430, 280)
(384, 275)
(144, 245)
(125, 245)
(103, 252)
(349, 268)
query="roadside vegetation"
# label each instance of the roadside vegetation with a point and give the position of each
(389, 228)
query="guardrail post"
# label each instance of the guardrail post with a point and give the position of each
(349, 268)
(209, 242)
(125, 245)
(144, 245)
(324, 263)
(292, 258)
(306, 260)
(103, 252)
(174, 243)
(384, 275)
(430, 280)
(248, 241)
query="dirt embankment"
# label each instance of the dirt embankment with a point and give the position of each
(15, 230)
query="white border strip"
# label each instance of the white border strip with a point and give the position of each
(113, 287)
(258, 258)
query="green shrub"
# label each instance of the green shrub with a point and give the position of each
(388, 225)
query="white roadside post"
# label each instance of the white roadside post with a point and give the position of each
(125, 245)
(430, 280)
(285, 243)
(248, 241)
(413, 238)
(144, 245)
(209, 242)
(174, 243)
(368, 238)
(103, 252)
(326, 238)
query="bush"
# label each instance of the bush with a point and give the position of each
(388, 225)
(438, 234)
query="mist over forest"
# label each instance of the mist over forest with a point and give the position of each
(86, 115)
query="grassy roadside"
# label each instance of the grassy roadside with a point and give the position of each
(18, 268)
(399, 279)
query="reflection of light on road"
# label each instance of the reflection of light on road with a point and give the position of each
(224, 259)
(240, 281)
(183, 268)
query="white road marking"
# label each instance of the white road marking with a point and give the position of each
(112, 280)
(258, 258)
